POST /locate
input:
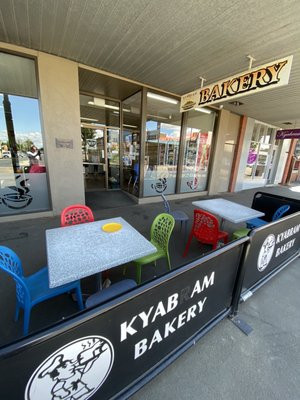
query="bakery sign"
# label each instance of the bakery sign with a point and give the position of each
(267, 76)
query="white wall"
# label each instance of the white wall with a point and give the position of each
(282, 157)
(60, 118)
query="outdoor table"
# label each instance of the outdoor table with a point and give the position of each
(228, 210)
(77, 251)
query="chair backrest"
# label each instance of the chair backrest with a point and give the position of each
(136, 170)
(161, 230)
(166, 204)
(76, 214)
(205, 226)
(280, 211)
(11, 263)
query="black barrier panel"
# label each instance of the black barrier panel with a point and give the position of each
(269, 203)
(271, 246)
(108, 350)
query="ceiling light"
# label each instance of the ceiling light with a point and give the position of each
(130, 126)
(156, 116)
(161, 98)
(89, 119)
(204, 110)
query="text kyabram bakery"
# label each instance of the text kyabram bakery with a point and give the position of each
(145, 318)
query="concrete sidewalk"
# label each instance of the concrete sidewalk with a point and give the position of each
(227, 365)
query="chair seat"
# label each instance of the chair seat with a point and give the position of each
(179, 215)
(240, 233)
(151, 257)
(38, 285)
(255, 223)
(116, 289)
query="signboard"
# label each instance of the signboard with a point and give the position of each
(288, 134)
(270, 247)
(104, 352)
(267, 76)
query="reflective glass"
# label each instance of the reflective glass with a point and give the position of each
(163, 129)
(131, 142)
(197, 150)
(23, 177)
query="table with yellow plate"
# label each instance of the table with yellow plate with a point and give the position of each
(77, 251)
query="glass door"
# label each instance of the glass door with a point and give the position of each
(100, 137)
(113, 158)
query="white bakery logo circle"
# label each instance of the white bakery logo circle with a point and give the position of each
(266, 253)
(75, 371)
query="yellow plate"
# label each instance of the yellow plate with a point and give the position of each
(112, 227)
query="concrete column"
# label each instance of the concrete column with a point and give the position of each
(60, 113)
(226, 130)
(244, 154)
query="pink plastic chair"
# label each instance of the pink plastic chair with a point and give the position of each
(206, 230)
(76, 214)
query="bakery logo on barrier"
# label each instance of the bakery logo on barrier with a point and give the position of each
(269, 246)
(73, 372)
(266, 253)
(261, 78)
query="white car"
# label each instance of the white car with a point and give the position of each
(6, 154)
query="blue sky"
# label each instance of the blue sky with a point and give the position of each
(26, 119)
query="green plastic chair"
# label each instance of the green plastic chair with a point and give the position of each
(240, 233)
(161, 230)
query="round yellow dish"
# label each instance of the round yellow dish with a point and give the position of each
(112, 227)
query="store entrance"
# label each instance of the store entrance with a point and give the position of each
(101, 157)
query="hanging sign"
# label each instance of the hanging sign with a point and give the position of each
(288, 134)
(267, 76)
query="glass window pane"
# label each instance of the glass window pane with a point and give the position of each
(23, 178)
(17, 75)
(131, 142)
(162, 145)
(197, 151)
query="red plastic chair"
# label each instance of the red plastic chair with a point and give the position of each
(206, 230)
(76, 214)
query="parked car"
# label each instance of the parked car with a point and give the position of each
(6, 154)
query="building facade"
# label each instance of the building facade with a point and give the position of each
(68, 129)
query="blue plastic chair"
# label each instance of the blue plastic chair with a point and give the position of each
(33, 289)
(257, 222)
(178, 215)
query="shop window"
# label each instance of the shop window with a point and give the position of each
(261, 154)
(23, 177)
(197, 150)
(163, 129)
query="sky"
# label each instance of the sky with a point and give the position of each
(26, 119)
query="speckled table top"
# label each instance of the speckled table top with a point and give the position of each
(228, 210)
(78, 251)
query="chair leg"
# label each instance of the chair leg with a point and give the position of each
(124, 271)
(17, 312)
(27, 311)
(185, 228)
(138, 273)
(79, 298)
(188, 244)
(169, 263)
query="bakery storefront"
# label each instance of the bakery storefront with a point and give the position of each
(128, 137)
